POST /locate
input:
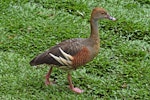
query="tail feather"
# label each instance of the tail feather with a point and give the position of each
(40, 59)
(33, 63)
(45, 58)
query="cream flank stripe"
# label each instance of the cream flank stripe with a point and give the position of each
(67, 61)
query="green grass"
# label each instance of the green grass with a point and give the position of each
(120, 71)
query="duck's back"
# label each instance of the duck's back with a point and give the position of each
(80, 49)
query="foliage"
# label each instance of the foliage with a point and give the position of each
(120, 71)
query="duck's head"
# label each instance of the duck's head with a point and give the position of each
(100, 13)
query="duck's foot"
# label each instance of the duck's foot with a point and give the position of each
(74, 89)
(77, 90)
(47, 82)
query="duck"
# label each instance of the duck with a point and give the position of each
(73, 53)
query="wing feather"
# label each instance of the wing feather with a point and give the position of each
(71, 47)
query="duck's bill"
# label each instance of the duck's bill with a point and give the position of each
(111, 18)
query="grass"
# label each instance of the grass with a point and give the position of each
(120, 71)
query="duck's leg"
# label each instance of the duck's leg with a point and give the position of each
(47, 81)
(74, 89)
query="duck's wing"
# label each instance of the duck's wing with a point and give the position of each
(71, 52)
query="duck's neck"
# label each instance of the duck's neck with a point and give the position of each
(94, 38)
(94, 30)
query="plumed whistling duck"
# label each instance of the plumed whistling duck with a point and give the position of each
(73, 53)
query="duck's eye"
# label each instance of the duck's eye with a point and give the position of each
(102, 13)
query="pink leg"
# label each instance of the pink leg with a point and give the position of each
(74, 89)
(47, 81)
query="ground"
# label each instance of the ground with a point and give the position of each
(120, 71)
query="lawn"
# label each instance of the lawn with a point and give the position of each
(120, 71)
